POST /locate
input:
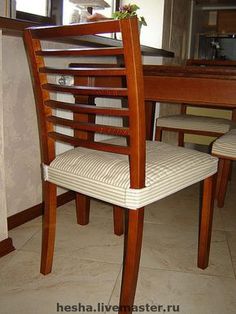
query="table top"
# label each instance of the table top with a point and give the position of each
(227, 73)
(211, 86)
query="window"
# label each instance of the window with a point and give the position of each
(34, 7)
(54, 11)
(42, 11)
(72, 12)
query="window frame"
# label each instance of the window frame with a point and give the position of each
(55, 14)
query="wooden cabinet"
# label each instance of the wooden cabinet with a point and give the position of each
(226, 21)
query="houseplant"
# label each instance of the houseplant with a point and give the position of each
(127, 11)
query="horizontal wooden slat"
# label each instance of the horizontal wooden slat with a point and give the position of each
(85, 90)
(197, 132)
(124, 150)
(90, 127)
(90, 109)
(107, 51)
(93, 65)
(85, 71)
(76, 29)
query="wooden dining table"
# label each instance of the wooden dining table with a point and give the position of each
(209, 87)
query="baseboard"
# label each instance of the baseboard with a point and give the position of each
(36, 211)
(6, 246)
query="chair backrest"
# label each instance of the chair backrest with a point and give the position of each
(130, 72)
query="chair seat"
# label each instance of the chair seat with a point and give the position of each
(196, 123)
(226, 145)
(105, 176)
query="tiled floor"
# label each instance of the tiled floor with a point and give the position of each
(87, 263)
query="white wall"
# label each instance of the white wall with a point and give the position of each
(153, 11)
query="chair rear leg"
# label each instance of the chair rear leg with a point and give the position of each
(183, 111)
(49, 227)
(223, 181)
(219, 177)
(181, 138)
(82, 208)
(158, 134)
(230, 171)
(132, 252)
(118, 218)
(205, 225)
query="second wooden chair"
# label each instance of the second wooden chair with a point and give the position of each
(185, 123)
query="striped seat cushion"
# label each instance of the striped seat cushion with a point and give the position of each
(226, 145)
(105, 176)
(197, 123)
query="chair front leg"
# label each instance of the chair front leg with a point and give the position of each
(205, 225)
(82, 208)
(49, 227)
(132, 252)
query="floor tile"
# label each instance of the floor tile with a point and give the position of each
(87, 260)
(4, 260)
(231, 236)
(24, 233)
(194, 294)
(181, 209)
(175, 248)
(73, 280)
(95, 241)
(228, 213)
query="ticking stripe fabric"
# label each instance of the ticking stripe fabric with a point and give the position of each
(197, 123)
(226, 145)
(105, 176)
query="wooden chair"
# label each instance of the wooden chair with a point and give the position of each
(129, 174)
(225, 149)
(184, 123)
